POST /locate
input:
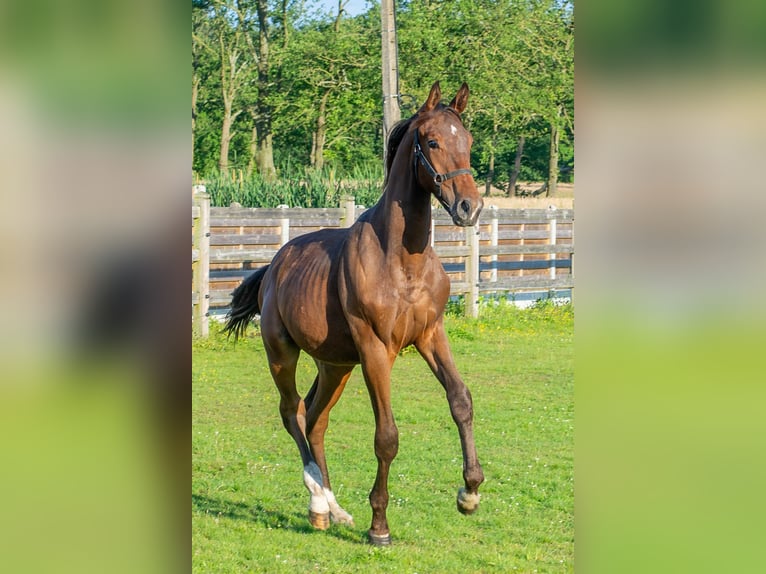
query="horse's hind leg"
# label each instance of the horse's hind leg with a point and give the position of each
(283, 359)
(322, 397)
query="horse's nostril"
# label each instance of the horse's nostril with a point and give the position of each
(465, 207)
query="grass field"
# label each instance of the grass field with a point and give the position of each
(250, 506)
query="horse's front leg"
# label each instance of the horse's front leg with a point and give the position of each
(433, 346)
(376, 366)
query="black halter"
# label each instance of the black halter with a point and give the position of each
(439, 178)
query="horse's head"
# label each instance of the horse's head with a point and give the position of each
(442, 156)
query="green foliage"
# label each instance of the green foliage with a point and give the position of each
(324, 69)
(249, 503)
(503, 315)
(300, 187)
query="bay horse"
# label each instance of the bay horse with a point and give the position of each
(361, 295)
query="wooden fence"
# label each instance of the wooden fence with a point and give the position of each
(511, 251)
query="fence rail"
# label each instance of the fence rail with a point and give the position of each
(509, 250)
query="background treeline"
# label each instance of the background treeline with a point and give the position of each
(287, 103)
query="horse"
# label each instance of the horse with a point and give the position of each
(360, 295)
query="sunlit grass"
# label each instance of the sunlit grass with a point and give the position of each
(249, 503)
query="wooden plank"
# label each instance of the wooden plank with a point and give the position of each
(220, 298)
(257, 213)
(509, 234)
(459, 287)
(241, 255)
(452, 250)
(195, 211)
(218, 222)
(444, 251)
(487, 250)
(528, 282)
(503, 235)
(248, 239)
(506, 216)
(313, 221)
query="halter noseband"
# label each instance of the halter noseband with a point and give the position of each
(439, 178)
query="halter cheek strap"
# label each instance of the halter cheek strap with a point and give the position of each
(439, 178)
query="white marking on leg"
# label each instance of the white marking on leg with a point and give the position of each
(467, 501)
(336, 512)
(312, 478)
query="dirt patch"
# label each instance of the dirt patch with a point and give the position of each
(564, 197)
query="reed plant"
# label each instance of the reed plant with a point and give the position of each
(295, 187)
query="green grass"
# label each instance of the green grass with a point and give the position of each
(250, 506)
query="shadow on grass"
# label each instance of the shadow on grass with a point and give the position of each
(271, 519)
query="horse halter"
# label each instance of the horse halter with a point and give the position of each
(439, 178)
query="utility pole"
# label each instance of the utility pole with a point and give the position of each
(391, 111)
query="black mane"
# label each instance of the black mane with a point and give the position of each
(394, 139)
(396, 135)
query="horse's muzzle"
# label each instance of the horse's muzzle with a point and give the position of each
(465, 211)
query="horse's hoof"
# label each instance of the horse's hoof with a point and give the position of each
(319, 521)
(379, 539)
(467, 503)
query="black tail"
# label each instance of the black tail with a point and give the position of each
(244, 304)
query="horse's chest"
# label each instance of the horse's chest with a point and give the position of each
(412, 313)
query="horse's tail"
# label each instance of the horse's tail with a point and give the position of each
(244, 304)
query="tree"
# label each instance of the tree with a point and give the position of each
(254, 18)
(222, 39)
(550, 44)
(286, 83)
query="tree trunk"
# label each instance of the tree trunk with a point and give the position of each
(253, 147)
(490, 174)
(223, 158)
(285, 28)
(516, 167)
(553, 163)
(195, 93)
(317, 153)
(313, 156)
(266, 158)
(491, 171)
(230, 79)
(263, 121)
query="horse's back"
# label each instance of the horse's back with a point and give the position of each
(301, 296)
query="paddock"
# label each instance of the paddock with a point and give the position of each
(249, 505)
(521, 254)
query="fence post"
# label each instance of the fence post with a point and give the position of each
(552, 241)
(433, 231)
(571, 261)
(349, 208)
(284, 227)
(472, 271)
(493, 237)
(201, 267)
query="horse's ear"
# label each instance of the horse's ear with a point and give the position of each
(460, 100)
(433, 98)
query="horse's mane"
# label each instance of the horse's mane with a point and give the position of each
(394, 139)
(396, 135)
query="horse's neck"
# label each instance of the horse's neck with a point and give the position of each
(403, 215)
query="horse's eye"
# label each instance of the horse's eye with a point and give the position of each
(432, 144)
